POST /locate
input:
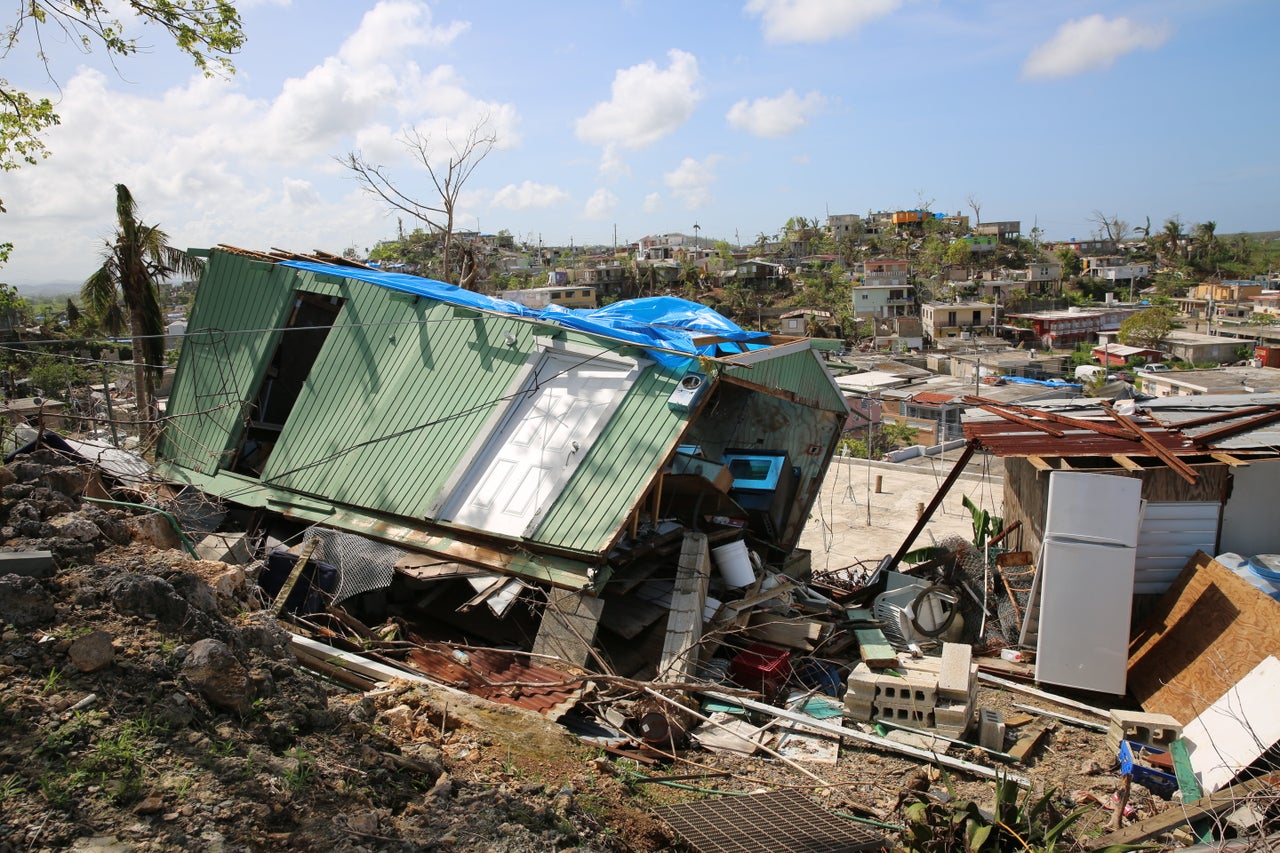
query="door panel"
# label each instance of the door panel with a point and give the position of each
(540, 443)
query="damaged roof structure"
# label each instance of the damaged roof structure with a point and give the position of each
(535, 444)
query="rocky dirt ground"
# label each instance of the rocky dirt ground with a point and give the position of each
(148, 702)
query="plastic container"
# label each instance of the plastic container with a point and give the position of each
(1262, 571)
(762, 667)
(734, 562)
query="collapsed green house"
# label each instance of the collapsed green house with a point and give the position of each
(558, 447)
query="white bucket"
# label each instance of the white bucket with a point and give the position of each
(734, 562)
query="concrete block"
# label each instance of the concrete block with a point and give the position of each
(224, 548)
(907, 691)
(956, 717)
(858, 709)
(916, 718)
(956, 673)
(1158, 730)
(32, 564)
(991, 729)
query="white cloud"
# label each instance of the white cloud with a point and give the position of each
(528, 196)
(612, 166)
(393, 26)
(600, 205)
(816, 20)
(1091, 44)
(652, 203)
(692, 180)
(776, 117)
(211, 164)
(646, 104)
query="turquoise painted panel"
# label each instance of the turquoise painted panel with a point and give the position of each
(801, 373)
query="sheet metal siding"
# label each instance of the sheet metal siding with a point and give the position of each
(600, 495)
(394, 400)
(223, 357)
(801, 373)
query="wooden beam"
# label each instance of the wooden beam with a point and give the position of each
(1064, 420)
(1039, 464)
(1125, 462)
(1020, 419)
(1220, 416)
(1183, 469)
(1228, 459)
(1236, 428)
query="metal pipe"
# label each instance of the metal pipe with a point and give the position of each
(186, 543)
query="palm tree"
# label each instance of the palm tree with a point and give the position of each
(1172, 236)
(131, 266)
(1207, 242)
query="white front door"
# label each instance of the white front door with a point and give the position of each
(536, 448)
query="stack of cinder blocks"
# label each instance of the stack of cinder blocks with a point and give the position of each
(1157, 730)
(928, 694)
(957, 690)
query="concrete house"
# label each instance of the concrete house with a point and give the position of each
(548, 446)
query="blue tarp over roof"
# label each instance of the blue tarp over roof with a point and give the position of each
(662, 322)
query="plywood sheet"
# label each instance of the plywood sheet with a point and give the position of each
(1208, 632)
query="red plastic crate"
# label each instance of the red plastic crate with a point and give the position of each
(762, 667)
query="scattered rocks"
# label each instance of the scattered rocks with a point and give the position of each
(213, 671)
(24, 602)
(92, 652)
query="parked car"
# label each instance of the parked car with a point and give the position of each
(1155, 368)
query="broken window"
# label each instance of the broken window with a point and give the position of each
(300, 343)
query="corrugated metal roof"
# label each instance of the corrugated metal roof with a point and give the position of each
(508, 678)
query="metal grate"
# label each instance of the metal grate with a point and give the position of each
(779, 821)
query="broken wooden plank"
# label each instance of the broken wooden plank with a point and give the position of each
(1228, 799)
(874, 649)
(1052, 697)
(1028, 742)
(793, 632)
(680, 652)
(1074, 721)
(290, 582)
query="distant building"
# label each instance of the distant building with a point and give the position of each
(1067, 328)
(954, 319)
(883, 300)
(1221, 380)
(886, 272)
(1005, 232)
(541, 297)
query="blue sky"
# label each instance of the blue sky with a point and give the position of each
(642, 117)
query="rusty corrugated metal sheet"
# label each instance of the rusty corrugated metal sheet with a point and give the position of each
(507, 678)
(1010, 439)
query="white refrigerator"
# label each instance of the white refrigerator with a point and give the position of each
(1086, 580)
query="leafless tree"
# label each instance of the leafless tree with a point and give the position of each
(449, 165)
(1112, 227)
(975, 204)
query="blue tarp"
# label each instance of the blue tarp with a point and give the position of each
(665, 322)
(1048, 383)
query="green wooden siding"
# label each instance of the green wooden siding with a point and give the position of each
(801, 373)
(223, 357)
(394, 400)
(399, 391)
